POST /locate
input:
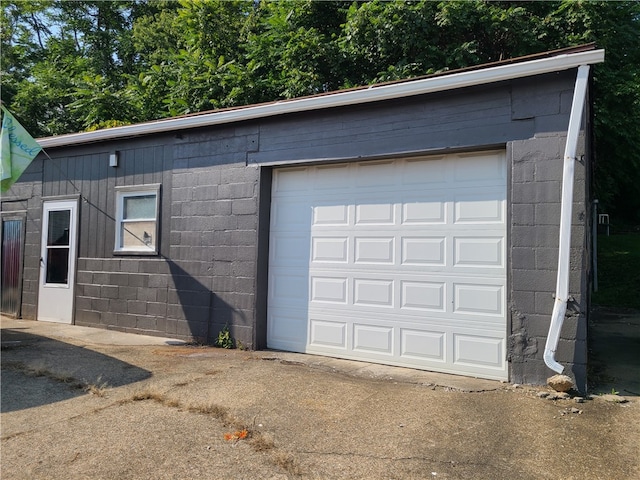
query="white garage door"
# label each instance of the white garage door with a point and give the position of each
(399, 262)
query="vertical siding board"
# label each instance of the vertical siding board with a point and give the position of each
(71, 177)
(110, 209)
(86, 221)
(138, 175)
(64, 175)
(129, 167)
(55, 176)
(67, 187)
(69, 181)
(148, 165)
(103, 161)
(62, 172)
(95, 198)
(164, 161)
(47, 177)
(119, 170)
(160, 165)
(89, 194)
(85, 187)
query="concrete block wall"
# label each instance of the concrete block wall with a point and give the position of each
(535, 192)
(214, 224)
(205, 276)
(124, 295)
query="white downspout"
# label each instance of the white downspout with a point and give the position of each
(562, 285)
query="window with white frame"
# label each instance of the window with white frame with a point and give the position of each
(137, 210)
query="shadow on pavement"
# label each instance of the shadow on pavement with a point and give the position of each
(38, 370)
(614, 346)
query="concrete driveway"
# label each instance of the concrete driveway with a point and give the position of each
(82, 403)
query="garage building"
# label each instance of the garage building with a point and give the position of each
(412, 223)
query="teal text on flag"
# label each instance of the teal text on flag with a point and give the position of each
(17, 150)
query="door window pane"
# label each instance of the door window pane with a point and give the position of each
(57, 265)
(58, 233)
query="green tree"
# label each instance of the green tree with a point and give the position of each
(615, 26)
(69, 66)
(189, 52)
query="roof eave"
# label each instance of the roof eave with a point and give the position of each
(353, 97)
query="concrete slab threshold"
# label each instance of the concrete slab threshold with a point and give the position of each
(94, 336)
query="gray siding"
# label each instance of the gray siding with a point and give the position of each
(486, 115)
(216, 182)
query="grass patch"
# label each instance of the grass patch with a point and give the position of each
(221, 413)
(618, 271)
(257, 440)
(38, 369)
(99, 388)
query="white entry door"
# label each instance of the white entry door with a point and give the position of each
(397, 261)
(58, 261)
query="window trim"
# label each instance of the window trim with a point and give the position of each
(136, 191)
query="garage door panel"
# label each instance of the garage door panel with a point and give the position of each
(424, 295)
(464, 300)
(292, 180)
(329, 334)
(374, 339)
(481, 252)
(329, 289)
(331, 214)
(479, 350)
(289, 249)
(287, 328)
(375, 174)
(478, 299)
(420, 172)
(374, 250)
(370, 292)
(423, 251)
(486, 208)
(422, 344)
(400, 262)
(289, 287)
(332, 178)
(481, 169)
(330, 249)
(375, 212)
(424, 212)
(292, 215)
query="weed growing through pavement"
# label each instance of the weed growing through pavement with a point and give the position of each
(98, 388)
(216, 411)
(258, 441)
(224, 340)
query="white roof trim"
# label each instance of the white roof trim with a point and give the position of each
(353, 97)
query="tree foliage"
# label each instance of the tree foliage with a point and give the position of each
(87, 64)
